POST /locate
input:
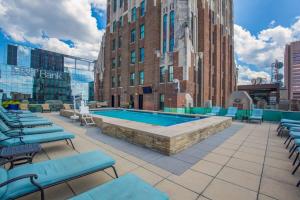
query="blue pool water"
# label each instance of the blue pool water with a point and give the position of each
(147, 117)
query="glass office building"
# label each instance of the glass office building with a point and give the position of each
(38, 75)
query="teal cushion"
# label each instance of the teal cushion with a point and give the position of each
(38, 138)
(126, 187)
(256, 117)
(39, 130)
(3, 178)
(53, 171)
(3, 126)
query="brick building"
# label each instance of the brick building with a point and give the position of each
(292, 70)
(172, 53)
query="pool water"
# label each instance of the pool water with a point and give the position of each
(147, 117)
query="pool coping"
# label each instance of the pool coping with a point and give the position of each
(165, 139)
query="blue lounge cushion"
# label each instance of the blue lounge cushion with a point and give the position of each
(37, 138)
(55, 171)
(290, 121)
(3, 178)
(231, 112)
(36, 130)
(295, 134)
(126, 187)
(30, 123)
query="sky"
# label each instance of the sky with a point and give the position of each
(75, 27)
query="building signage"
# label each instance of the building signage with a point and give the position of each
(45, 74)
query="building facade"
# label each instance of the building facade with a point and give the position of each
(292, 70)
(38, 75)
(173, 53)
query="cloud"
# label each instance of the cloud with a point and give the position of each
(246, 75)
(60, 20)
(262, 50)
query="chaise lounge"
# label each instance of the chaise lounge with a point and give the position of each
(215, 111)
(26, 179)
(231, 112)
(256, 115)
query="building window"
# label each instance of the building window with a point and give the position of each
(161, 101)
(121, 21)
(119, 81)
(121, 3)
(143, 8)
(113, 63)
(115, 5)
(114, 26)
(165, 22)
(133, 14)
(120, 42)
(132, 79)
(172, 24)
(162, 71)
(113, 81)
(142, 31)
(119, 61)
(132, 35)
(132, 57)
(141, 77)
(114, 44)
(171, 73)
(142, 54)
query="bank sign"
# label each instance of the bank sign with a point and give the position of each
(45, 74)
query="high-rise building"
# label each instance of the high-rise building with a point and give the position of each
(292, 70)
(172, 53)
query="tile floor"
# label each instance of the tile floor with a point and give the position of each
(252, 164)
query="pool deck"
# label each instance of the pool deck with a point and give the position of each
(250, 165)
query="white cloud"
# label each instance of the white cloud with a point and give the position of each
(265, 48)
(246, 75)
(29, 20)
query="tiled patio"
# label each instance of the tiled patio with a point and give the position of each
(251, 164)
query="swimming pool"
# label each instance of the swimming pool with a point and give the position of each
(158, 119)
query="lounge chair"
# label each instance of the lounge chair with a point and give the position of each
(215, 111)
(231, 112)
(256, 115)
(26, 122)
(126, 187)
(67, 106)
(28, 131)
(46, 107)
(19, 113)
(6, 140)
(23, 106)
(26, 179)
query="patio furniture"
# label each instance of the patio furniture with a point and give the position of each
(23, 106)
(20, 154)
(20, 113)
(6, 140)
(26, 179)
(231, 112)
(67, 106)
(256, 115)
(215, 111)
(126, 187)
(282, 121)
(46, 107)
(287, 126)
(29, 131)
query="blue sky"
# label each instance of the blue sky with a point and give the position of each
(262, 28)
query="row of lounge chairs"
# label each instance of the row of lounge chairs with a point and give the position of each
(292, 127)
(22, 180)
(256, 114)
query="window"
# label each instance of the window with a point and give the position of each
(143, 8)
(161, 101)
(132, 35)
(120, 42)
(119, 81)
(132, 79)
(114, 44)
(172, 24)
(115, 5)
(142, 54)
(162, 74)
(141, 77)
(113, 63)
(133, 14)
(165, 21)
(113, 81)
(121, 3)
(171, 73)
(121, 21)
(142, 31)
(119, 61)
(132, 57)
(114, 26)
